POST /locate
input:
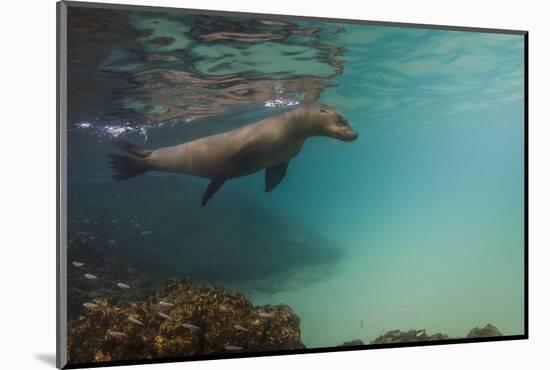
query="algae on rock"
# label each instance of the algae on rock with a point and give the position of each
(488, 330)
(398, 336)
(226, 321)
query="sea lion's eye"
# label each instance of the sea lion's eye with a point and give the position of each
(323, 111)
(342, 121)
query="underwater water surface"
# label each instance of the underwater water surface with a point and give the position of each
(417, 224)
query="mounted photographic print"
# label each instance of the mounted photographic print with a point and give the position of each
(235, 185)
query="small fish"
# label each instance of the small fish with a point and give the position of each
(400, 305)
(116, 334)
(233, 348)
(165, 304)
(146, 232)
(123, 286)
(239, 327)
(114, 221)
(90, 305)
(266, 314)
(111, 241)
(90, 276)
(78, 264)
(190, 326)
(164, 316)
(135, 321)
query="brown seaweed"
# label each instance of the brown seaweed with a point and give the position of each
(398, 336)
(215, 311)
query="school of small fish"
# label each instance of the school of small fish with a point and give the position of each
(164, 304)
(135, 321)
(265, 315)
(116, 334)
(164, 316)
(190, 326)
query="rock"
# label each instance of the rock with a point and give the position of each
(354, 342)
(214, 310)
(398, 336)
(278, 254)
(488, 330)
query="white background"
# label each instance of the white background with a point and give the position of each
(27, 182)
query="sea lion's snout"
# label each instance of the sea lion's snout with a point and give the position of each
(338, 127)
(344, 131)
(347, 134)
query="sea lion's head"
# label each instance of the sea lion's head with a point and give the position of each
(327, 121)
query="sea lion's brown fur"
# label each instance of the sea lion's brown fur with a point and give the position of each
(268, 144)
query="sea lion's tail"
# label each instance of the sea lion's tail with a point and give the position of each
(131, 148)
(126, 167)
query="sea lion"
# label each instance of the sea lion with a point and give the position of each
(268, 144)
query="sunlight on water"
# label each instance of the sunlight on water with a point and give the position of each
(416, 225)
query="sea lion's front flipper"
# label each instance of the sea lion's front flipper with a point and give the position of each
(227, 171)
(274, 175)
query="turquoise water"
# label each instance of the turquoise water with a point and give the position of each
(416, 225)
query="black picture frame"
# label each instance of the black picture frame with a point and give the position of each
(61, 186)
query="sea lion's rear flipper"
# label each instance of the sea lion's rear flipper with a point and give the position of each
(131, 148)
(274, 175)
(126, 167)
(227, 171)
